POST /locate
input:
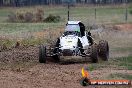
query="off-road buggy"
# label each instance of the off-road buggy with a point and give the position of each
(75, 42)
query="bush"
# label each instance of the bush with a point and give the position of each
(12, 17)
(52, 18)
(28, 17)
(32, 17)
(39, 15)
(20, 17)
(131, 12)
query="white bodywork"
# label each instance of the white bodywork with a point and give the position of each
(73, 22)
(70, 41)
(84, 41)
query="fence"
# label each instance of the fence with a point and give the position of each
(100, 14)
(93, 14)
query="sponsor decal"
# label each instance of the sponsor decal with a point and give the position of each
(85, 81)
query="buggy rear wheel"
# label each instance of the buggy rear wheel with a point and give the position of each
(103, 49)
(93, 51)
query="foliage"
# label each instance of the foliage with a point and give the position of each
(119, 75)
(20, 17)
(52, 18)
(105, 14)
(29, 16)
(130, 12)
(39, 15)
(125, 62)
(26, 16)
(12, 17)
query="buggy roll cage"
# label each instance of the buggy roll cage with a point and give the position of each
(81, 25)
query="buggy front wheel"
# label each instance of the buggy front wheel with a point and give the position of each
(42, 54)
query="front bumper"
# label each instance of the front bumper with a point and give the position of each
(67, 52)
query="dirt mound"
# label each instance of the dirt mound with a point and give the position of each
(125, 27)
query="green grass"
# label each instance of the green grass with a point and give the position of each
(93, 67)
(104, 14)
(9, 43)
(123, 49)
(27, 27)
(32, 42)
(124, 62)
(122, 76)
(85, 14)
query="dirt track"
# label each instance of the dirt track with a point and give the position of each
(36, 75)
(20, 68)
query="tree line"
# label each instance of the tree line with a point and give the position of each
(18, 3)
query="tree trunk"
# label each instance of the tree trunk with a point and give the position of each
(1, 2)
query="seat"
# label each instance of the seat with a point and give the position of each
(82, 29)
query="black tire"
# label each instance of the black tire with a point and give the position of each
(103, 49)
(42, 54)
(94, 53)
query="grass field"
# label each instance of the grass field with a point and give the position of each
(104, 15)
(113, 14)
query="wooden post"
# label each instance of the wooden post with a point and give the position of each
(126, 12)
(68, 11)
(95, 13)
